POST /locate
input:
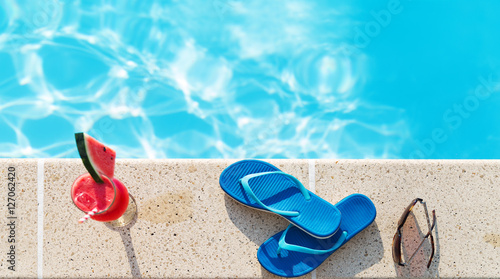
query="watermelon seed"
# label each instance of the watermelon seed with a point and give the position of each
(104, 149)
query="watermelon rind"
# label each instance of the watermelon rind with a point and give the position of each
(82, 149)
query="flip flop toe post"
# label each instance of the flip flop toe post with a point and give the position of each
(263, 186)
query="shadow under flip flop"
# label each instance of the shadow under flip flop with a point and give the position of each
(255, 224)
(360, 253)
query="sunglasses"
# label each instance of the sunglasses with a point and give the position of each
(396, 241)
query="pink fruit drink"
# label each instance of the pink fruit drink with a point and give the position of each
(110, 198)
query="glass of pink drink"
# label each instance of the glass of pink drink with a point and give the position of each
(110, 200)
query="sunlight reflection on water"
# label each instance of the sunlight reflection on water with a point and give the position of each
(181, 80)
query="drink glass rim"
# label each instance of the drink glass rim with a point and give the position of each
(101, 211)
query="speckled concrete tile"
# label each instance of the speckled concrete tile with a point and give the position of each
(25, 211)
(463, 193)
(188, 227)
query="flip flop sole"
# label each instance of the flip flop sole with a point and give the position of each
(317, 217)
(358, 212)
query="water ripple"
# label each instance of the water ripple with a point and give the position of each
(166, 80)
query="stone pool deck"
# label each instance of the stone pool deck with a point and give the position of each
(188, 227)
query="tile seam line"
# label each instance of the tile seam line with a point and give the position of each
(312, 188)
(312, 178)
(40, 212)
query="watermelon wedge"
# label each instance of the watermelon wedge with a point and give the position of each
(97, 158)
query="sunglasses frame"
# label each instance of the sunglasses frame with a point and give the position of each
(396, 241)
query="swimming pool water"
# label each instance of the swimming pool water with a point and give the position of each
(260, 79)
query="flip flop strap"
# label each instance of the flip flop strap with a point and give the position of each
(283, 245)
(248, 190)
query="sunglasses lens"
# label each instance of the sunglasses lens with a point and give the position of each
(402, 220)
(396, 248)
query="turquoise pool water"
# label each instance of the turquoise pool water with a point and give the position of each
(261, 79)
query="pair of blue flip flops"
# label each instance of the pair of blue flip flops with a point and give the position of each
(317, 228)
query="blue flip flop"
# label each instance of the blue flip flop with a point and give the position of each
(292, 252)
(263, 186)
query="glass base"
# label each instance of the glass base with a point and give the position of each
(127, 217)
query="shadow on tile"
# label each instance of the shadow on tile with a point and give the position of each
(256, 225)
(266, 274)
(412, 237)
(129, 247)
